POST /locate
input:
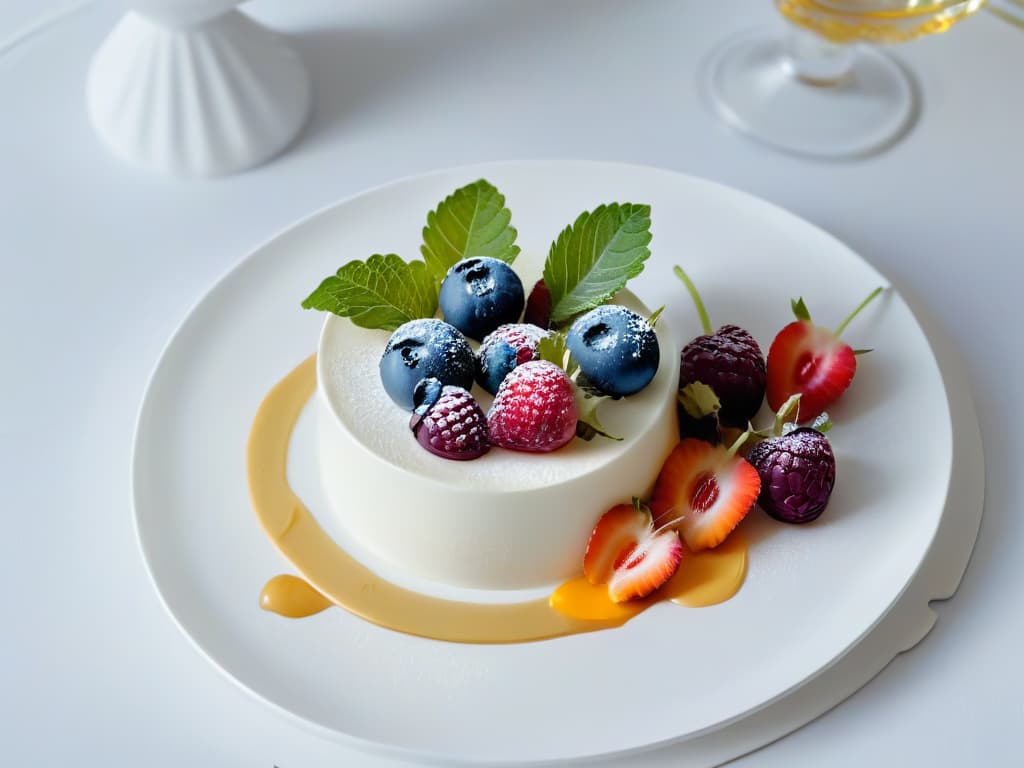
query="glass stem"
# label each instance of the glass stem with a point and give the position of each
(815, 60)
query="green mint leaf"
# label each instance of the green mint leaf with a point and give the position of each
(553, 349)
(382, 292)
(472, 221)
(594, 258)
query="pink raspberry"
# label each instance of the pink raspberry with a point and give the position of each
(534, 410)
(448, 422)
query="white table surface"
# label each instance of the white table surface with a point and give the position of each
(101, 262)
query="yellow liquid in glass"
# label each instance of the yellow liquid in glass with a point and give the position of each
(876, 21)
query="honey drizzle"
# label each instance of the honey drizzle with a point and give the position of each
(293, 597)
(331, 575)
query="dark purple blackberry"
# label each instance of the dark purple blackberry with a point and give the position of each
(448, 422)
(798, 472)
(728, 360)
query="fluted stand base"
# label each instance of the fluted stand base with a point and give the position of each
(202, 100)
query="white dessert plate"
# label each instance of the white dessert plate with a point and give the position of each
(672, 673)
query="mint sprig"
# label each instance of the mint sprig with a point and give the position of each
(472, 221)
(594, 258)
(382, 292)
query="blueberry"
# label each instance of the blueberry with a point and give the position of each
(479, 294)
(494, 362)
(503, 349)
(617, 350)
(422, 349)
(424, 395)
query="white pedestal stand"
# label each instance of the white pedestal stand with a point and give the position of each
(196, 88)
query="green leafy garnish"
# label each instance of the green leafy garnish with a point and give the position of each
(472, 221)
(553, 349)
(594, 258)
(382, 292)
(699, 400)
(800, 309)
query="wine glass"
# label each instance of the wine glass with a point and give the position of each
(815, 90)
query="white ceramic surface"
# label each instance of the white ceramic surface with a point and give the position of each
(507, 520)
(196, 89)
(905, 625)
(812, 593)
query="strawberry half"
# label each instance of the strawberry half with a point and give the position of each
(811, 361)
(629, 555)
(705, 491)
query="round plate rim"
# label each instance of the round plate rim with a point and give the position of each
(475, 170)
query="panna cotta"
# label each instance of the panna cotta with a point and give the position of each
(507, 520)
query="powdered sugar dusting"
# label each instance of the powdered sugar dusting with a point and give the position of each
(535, 408)
(352, 387)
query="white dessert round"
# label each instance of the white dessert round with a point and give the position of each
(507, 520)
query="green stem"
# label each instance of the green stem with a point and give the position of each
(705, 323)
(787, 408)
(738, 444)
(868, 300)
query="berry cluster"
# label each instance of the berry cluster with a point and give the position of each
(429, 366)
(807, 369)
(705, 489)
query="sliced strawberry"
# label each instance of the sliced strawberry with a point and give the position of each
(653, 562)
(627, 554)
(616, 535)
(808, 360)
(811, 361)
(705, 491)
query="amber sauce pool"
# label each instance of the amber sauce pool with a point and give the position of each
(330, 576)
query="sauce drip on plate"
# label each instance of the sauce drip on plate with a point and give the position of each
(329, 575)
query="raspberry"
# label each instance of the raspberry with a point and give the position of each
(538, 305)
(534, 410)
(504, 348)
(798, 472)
(448, 422)
(730, 362)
